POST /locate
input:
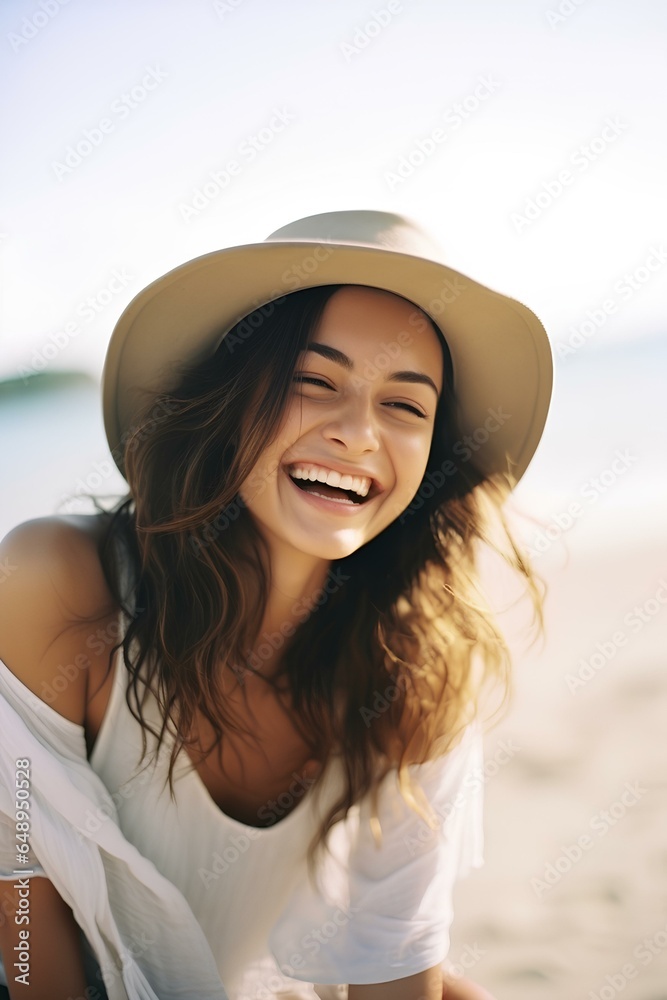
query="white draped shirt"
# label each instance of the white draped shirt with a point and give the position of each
(175, 898)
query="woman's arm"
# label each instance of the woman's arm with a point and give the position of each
(423, 986)
(433, 984)
(463, 989)
(55, 962)
(55, 576)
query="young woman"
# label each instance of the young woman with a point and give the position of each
(249, 698)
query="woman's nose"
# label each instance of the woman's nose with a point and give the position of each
(355, 425)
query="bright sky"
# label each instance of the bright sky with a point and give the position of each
(558, 102)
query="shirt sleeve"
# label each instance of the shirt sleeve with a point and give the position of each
(384, 913)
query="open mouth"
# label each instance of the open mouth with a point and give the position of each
(335, 493)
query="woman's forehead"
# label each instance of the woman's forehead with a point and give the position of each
(361, 323)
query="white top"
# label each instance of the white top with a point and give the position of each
(201, 905)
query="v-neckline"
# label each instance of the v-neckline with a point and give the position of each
(193, 775)
(192, 768)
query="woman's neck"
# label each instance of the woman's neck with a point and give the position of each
(292, 587)
(295, 592)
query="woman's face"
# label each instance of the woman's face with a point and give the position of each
(363, 404)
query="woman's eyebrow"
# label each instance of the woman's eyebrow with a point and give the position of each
(333, 354)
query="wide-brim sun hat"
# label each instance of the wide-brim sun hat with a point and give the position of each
(501, 355)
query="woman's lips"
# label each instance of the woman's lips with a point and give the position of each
(344, 507)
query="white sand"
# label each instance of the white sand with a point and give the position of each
(600, 929)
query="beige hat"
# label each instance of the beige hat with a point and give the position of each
(501, 355)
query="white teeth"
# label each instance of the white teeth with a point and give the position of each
(359, 484)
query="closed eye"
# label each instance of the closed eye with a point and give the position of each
(309, 378)
(319, 381)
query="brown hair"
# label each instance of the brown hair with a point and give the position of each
(405, 649)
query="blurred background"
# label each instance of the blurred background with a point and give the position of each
(529, 137)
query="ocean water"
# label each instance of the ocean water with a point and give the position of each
(604, 450)
(606, 401)
(52, 445)
(604, 447)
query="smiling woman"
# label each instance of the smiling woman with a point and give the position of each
(318, 767)
(340, 428)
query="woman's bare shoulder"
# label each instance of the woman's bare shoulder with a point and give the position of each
(53, 594)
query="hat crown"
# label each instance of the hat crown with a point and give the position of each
(383, 230)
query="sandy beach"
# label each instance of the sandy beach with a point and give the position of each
(571, 903)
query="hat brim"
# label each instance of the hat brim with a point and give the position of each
(501, 356)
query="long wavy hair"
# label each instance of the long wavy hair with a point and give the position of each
(393, 664)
